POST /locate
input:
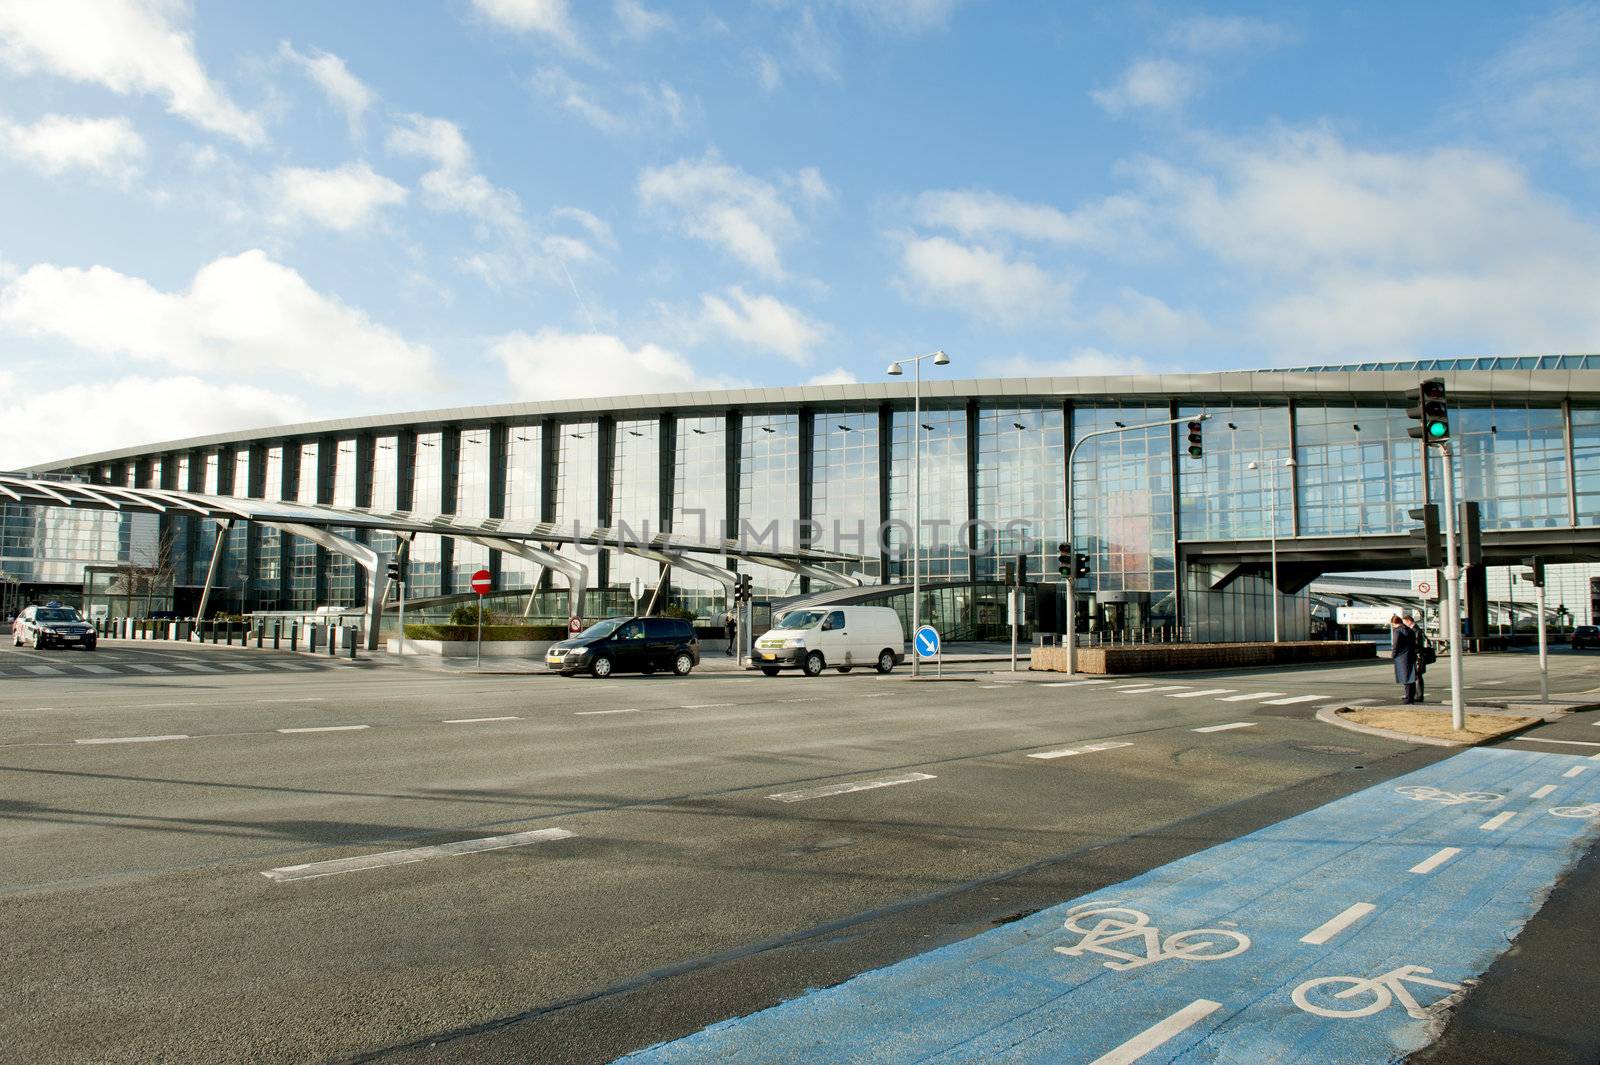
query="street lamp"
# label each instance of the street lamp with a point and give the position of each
(1272, 520)
(895, 370)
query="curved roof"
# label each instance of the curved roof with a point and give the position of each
(1548, 377)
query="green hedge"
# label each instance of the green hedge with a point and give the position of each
(491, 633)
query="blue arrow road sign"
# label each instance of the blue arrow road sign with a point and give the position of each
(927, 641)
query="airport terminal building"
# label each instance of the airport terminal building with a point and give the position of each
(1301, 472)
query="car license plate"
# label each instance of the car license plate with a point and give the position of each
(768, 655)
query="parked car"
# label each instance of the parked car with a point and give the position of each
(840, 637)
(628, 645)
(52, 625)
(1585, 636)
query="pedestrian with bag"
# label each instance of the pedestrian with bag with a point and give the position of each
(731, 620)
(1425, 654)
(1403, 650)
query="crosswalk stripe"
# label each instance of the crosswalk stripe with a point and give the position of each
(197, 667)
(1072, 683)
(1294, 699)
(1225, 728)
(1158, 688)
(1247, 697)
(1202, 691)
(43, 671)
(246, 667)
(150, 669)
(97, 669)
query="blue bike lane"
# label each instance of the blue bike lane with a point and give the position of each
(1338, 935)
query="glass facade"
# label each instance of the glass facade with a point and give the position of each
(1022, 493)
(1122, 517)
(1221, 497)
(304, 593)
(943, 432)
(471, 462)
(1512, 458)
(524, 497)
(699, 498)
(1586, 462)
(424, 578)
(845, 486)
(769, 493)
(1359, 469)
(636, 497)
(269, 542)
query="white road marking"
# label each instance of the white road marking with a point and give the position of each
(1202, 691)
(475, 720)
(326, 728)
(1158, 1033)
(702, 706)
(1247, 697)
(1496, 821)
(246, 668)
(1072, 683)
(312, 870)
(1161, 688)
(1433, 861)
(1542, 792)
(97, 669)
(1068, 752)
(1574, 771)
(305, 699)
(197, 667)
(133, 739)
(592, 713)
(1345, 703)
(1333, 926)
(150, 669)
(1136, 688)
(1594, 757)
(1225, 728)
(845, 789)
(1294, 699)
(1567, 743)
(994, 685)
(43, 671)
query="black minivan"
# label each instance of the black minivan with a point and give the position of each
(627, 645)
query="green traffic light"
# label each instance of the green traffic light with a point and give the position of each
(1437, 429)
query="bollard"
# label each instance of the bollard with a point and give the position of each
(229, 638)
(277, 632)
(261, 632)
(311, 638)
(294, 636)
(333, 644)
(352, 638)
(214, 634)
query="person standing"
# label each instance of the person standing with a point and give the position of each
(732, 622)
(1420, 638)
(1403, 650)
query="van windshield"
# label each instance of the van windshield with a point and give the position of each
(798, 619)
(600, 628)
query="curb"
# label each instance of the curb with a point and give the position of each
(1329, 715)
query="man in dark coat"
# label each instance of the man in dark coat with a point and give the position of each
(1406, 660)
(1421, 636)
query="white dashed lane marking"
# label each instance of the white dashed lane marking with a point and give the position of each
(1542, 792)
(475, 720)
(1294, 699)
(1496, 821)
(1158, 1033)
(326, 728)
(1225, 728)
(1574, 771)
(1333, 926)
(1247, 697)
(313, 870)
(1202, 691)
(845, 789)
(1068, 752)
(1433, 861)
(44, 671)
(132, 739)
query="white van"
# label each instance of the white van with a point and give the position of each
(840, 637)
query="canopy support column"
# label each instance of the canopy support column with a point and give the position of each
(211, 570)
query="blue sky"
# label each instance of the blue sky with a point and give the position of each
(226, 215)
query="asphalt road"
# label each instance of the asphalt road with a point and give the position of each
(139, 814)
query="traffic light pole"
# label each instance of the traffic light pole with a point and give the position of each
(1452, 582)
(1544, 659)
(402, 619)
(1072, 580)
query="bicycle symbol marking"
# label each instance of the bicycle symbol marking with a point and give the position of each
(1423, 793)
(1587, 810)
(1384, 989)
(1119, 924)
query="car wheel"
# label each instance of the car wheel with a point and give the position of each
(682, 664)
(771, 671)
(885, 661)
(814, 664)
(89, 645)
(601, 667)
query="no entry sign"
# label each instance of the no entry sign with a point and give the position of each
(481, 581)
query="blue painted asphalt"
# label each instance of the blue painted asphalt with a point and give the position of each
(1012, 995)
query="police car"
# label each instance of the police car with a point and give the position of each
(52, 625)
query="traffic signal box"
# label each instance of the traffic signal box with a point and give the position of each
(1430, 409)
(1428, 533)
(1196, 440)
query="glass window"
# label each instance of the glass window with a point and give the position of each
(1220, 496)
(1122, 515)
(1359, 469)
(636, 497)
(1022, 495)
(699, 502)
(427, 500)
(303, 553)
(1586, 461)
(524, 480)
(471, 503)
(769, 492)
(844, 486)
(943, 433)
(1512, 458)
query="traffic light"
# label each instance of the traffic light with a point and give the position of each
(1431, 411)
(1064, 559)
(1196, 445)
(1080, 566)
(1022, 568)
(396, 574)
(1432, 545)
(743, 590)
(1470, 545)
(1536, 578)
(1010, 574)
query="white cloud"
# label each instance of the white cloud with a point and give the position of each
(978, 213)
(711, 201)
(57, 143)
(837, 376)
(1151, 84)
(551, 364)
(1545, 87)
(904, 16)
(1211, 34)
(128, 46)
(646, 109)
(1138, 320)
(344, 199)
(454, 183)
(588, 221)
(49, 423)
(342, 88)
(549, 18)
(1079, 362)
(768, 72)
(245, 314)
(640, 22)
(980, 281)
(762, 322)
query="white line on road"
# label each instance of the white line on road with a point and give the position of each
(1162, 688)
(1496, 821)
(1142, 687)
(1247, 697)
(1073, 683)
(845, 789)
(43, 671)
(150, 669)
(312, 870)
(1566, 743)
(1433, 861)
(97, 669)
(197, 667)
(475, 720)
(133, 739)
(326, 728)
(306, 699)
(1332, 927)
(593, 713)
(1068, 752)
(1158, 1033)
(1294, 699)
(1542, 792)
(1575, 770)
(703, 706)
(1225, 728)
(1202, 691)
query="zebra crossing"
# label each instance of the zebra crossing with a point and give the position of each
(70, 667)
(1190, 691)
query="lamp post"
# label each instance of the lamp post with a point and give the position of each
(895, 370)
(1272, 520)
